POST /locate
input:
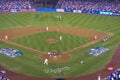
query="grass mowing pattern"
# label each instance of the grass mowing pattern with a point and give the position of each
(31, 65)
(38, 41)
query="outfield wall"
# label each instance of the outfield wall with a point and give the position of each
(60, 10)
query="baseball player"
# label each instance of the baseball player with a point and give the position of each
(46, 61)
(99, 77)
(60, 37)
(46, 28)
(60, 17)
(6, 37)
(95, 37)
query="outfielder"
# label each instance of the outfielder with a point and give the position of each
(60, 17)
(60, 37)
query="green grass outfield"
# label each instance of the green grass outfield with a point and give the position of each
(30, 64)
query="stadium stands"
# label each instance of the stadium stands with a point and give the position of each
(45, 3)
(111, 7)
(6, 5)
(87, 6)
(114, 75)
(2, 77)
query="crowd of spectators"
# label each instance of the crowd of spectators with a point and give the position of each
(15, 4)
(86, 6)
(114, 75)
(89, 5)
(2, 73)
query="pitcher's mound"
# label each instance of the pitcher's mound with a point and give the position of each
(52, 41)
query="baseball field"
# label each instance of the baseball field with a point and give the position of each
(27, 33)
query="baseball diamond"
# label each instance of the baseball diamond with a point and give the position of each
(57, 45)
(63, 56)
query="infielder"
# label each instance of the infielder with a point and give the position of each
(6, 37)
(46, 28)
(46, 61)
(95, 37)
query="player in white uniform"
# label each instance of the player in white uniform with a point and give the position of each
(60, 37)
(95, 37)
(6, 37)
(46, 28)
(99, 77)
(46, 61)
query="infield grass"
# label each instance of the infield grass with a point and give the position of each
(39, 41)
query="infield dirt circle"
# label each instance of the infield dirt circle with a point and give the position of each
(52, 41)
(14, 33)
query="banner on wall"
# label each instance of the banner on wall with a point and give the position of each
(77, 11)
(116, 14)
(23, 10)
(32, 10)
(60, 10)
(46, 9)
(68, 10)
(106, 13)
(14, 10)
(5, 11)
